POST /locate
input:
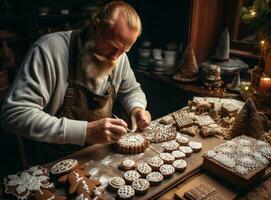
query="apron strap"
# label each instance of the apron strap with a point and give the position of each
(73, 52)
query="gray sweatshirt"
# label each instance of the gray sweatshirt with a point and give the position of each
(39, 89)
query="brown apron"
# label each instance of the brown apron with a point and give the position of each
(79, 104)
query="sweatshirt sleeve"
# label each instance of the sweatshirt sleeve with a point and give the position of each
(23, 109)
(130, 92)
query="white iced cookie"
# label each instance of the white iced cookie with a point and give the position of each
(155, 178)
(167, 158)
(127, 164)
(180, 165)
(186, 150)
(115, 183)
(125, 192)
(155, 162)
(195, 146)
(141, 186)
(130, 176)
(167, 170)
(64, 166)
(143, 169)
(132, 143)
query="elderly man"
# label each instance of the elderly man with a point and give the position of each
(64, 92)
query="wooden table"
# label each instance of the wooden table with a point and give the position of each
(103, 163)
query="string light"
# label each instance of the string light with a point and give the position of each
(252, 12)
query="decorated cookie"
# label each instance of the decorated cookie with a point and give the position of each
(171, 146)
(161, 133)
(80, 183)
(155, 178)
(204, 120)
(155, 162)
(178, 154)
(115, 183)
(143, 169)
(192, 130)
(167, 120)
(47, 194)
(64, 167)
(195, 146)
(179, 165)
(125, 192)
(186, 150)
(167, 158)
(141, 186)
(31, 182)
(130, 176)
(200, 191)
(132, 143)
(167, 170)
(184, 121)
(127, 164)
(183, 141)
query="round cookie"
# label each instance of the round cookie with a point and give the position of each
(171, 146)
(141, 186)
(64, 167)
(183, 141)
(115, 183)
(186, 150)
(155, 178)
(178, 154)
(127, 164)
(125, 192)
(195, 146)
(167, 158)
(179, 165)
(167, 170)
(130, 176)
(155, 162)
(132, 143)
(143, 169)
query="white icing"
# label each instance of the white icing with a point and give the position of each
(131, 175)
(154, 177)
(63, 166)
(94, 171)
(128, 163)
(242, 154)
(78, 177)
(29, 180)
(141, 184)
(117, 182)
(126, 191)
(106, 161)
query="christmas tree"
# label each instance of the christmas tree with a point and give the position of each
(258, 17)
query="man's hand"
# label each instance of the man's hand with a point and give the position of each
(105, 131)
(140, 119)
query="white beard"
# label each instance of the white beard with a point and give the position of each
(96, 69)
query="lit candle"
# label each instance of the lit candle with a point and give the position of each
(267, 67)
(265, 85)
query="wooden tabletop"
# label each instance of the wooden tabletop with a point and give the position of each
(103, 162)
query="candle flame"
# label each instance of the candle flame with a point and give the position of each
(252, 12)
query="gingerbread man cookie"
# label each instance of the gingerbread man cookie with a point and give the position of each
(78, 179)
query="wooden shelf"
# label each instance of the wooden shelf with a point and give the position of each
(196, 88)
(244, 54)
(61, 16)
